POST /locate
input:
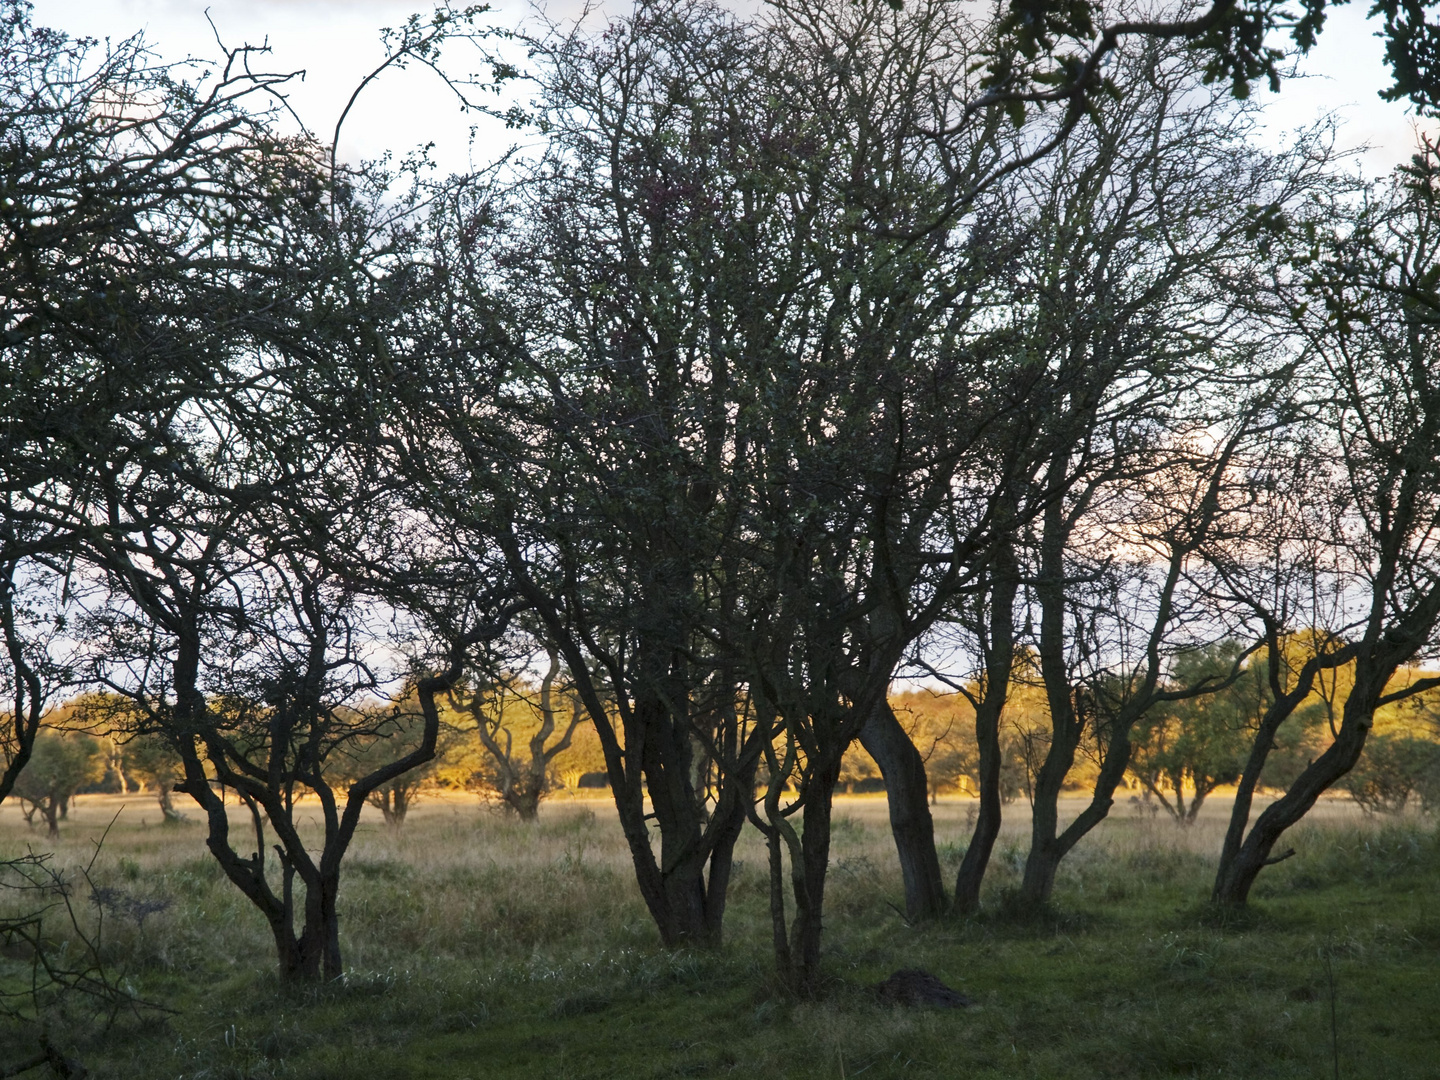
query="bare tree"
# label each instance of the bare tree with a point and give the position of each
(624, 255)
(1142, 320)
(98, 194)
(1365, 499)
(233, 643)
(521, 782)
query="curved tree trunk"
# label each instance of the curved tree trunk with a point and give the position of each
(907, 791)
(168, 813)
(987, 821)
(1046, 848)
(1239, 870)
(998, 634)
(1049, 845)
(1232, 885)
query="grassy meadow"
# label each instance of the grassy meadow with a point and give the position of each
(479, 947)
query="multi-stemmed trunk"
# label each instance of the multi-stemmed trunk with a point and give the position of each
(393, 802)
(798, 945)
(523, 782)
(1077, 705)
(48, 807)
(1238, 870)
(640, 700)
(1244, 856)
(685, 896)
(685, 890)
(1048, 845)
(313, 952)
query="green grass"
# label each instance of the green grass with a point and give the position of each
(478, 947)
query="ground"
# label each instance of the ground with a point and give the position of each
(477, 946)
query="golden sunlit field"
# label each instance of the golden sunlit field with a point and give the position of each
(476, 946)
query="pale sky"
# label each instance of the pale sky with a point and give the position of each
(337, 42)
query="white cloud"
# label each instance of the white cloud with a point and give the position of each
(1345, 73)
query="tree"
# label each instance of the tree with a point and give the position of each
(520, 782)
(250, 667)
(1199, 741)
(1392, 770)
(942, 728)
(60, 764)
(98, 197)
(32, 617)
(1054, 50)
(154, 764)
(1143, 321)
(599, 467)
(1091, 333)
(200, 302)
(1367, 489)
(393, 730)
(110, 215)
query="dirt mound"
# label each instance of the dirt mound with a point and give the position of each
(915, 988)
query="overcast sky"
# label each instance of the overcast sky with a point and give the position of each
(337, 42)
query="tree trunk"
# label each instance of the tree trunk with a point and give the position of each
(1203, 788)
(313, 955)
(1228, 889)
(687, 909)
(387, 808)
(1045, 848)
(809, 884)
(1048, 846)
(1038, 884)
(998, 633)
(168, 812)
(320, 938)
(393, 802)
(906, 790)
(523, 798)
(679, 903)
(1238, 872)
(722, 861)
(987, 820)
